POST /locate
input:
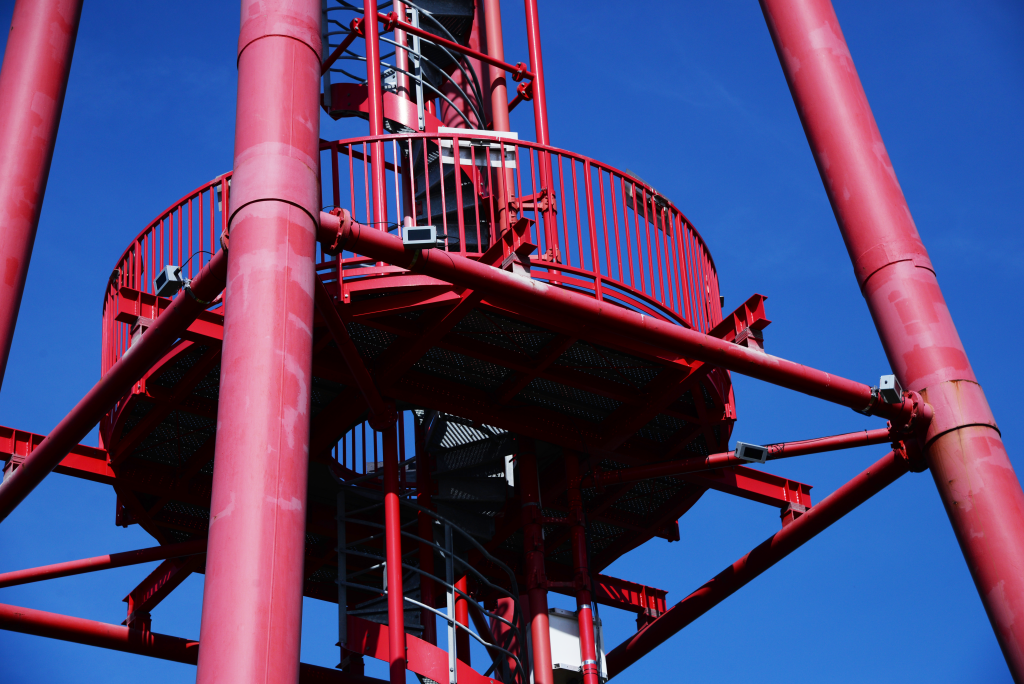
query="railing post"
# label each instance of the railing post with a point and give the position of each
(533, 548)
(393, 542)
(581, 572)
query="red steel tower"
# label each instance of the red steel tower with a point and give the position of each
(436, 372)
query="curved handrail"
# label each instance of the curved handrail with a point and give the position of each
(602, 232)
(603, 225)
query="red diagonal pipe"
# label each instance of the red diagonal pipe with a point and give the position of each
(113, 560)
(503, 286)
(33, 81)
(252, 595)
(166, 329)
(965, 453)
(728, 459)
(119, 638)
(884, 472)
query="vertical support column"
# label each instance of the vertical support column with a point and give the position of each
(401, 57)
(462, 88)
(393, 544)
(540, 121)
(425, 528)
(533, 549)
(540, 100)
(252, 600)
(581, 572)
(964, 451)
(342, 580)
(462, 617)
(33, 80)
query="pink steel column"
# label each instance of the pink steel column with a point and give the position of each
(33, 81)
(252, 601)
(966, 455)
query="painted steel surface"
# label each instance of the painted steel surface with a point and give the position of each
(966, 455)
(33, 80)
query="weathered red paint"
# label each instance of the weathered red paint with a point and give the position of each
(965, 452)
(33, 80)
(252, 600)
(393, 544)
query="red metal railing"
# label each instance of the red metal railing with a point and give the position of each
(187, 231)
(599, 232)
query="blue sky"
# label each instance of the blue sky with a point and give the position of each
(690, 96)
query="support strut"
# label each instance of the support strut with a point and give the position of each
(964, 450)
(118, 638)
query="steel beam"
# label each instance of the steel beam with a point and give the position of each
(631, 596)
(496, 84)
(85, 462)
(33, 80)
(964, 450)
(252, 598)
(164, 331)
(855, 492)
